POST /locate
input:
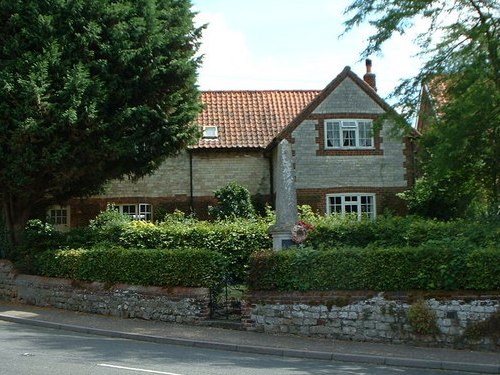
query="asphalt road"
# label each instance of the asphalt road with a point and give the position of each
(26, 350)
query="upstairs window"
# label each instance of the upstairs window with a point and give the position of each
(348, 134)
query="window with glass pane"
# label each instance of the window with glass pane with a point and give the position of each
(129, 209)
(335, 204)
(141, 211)
(361, 204)
(350, 204)
(58, 216)
(348, 134)
(365, 134)
(367, 205)
(145, 211)
(333, 134)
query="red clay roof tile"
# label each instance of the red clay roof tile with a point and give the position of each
(250, 119)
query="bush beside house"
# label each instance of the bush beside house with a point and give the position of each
(391, 253)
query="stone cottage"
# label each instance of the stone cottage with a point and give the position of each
(343, 163)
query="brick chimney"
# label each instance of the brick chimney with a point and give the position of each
(369, 77)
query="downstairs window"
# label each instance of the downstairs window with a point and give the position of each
(362, 205)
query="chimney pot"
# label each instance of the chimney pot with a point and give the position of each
(368, 63)
(369, 77)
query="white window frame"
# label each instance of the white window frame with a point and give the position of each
(210, 132)
(363, 204)
(59, 216)
(350, 134)
(136, 211)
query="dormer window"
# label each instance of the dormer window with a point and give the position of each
(209, 132)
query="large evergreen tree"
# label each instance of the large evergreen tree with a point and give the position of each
(91, 90)
(461, 53)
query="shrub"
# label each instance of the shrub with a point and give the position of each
(233, 201)
(422, 319)
(332, 231)
(107, 226)
(166, 268)
(234, 239)
(40, 236)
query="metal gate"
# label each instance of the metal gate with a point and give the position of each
(225, 300)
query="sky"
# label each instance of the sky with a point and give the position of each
(290, 44)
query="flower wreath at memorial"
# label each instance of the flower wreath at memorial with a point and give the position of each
(300, 230)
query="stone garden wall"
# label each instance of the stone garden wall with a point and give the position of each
(181, 305)
(458, 320)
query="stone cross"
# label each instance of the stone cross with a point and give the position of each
(286, 198)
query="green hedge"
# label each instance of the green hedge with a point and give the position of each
(435, 266)
(168, 268)
(235, 240)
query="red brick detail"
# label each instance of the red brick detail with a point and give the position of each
(320, 140)
(385, 197)
(84, 210)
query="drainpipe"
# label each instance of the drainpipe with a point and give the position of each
(191, 185)
(271, 179)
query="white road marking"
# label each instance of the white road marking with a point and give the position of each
(137, 369)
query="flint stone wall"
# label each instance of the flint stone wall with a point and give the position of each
(181, 305)
(381, 317)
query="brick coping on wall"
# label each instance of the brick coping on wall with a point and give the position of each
(316, 297)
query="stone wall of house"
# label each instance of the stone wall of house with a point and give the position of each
(170, 179)
(462, 321)
(210, 171)
(181, 305)
(169, 188)
(382, 171)
(348, 98)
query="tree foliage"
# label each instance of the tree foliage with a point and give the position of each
(91, 90)
(461, 69)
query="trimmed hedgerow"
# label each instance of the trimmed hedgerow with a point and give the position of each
(167, 268)
(437, 266)
(235, 239)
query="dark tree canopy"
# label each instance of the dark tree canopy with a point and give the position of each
(461, 54)
(91, 90)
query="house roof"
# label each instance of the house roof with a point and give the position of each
(432, 100)
(307, 110)
(250, 119)
(260, 119)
